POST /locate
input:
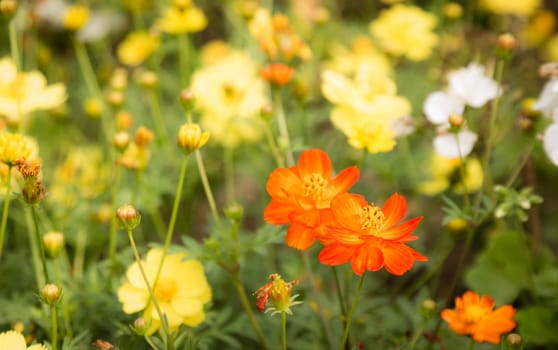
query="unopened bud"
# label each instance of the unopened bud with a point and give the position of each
(266, 113)
(115, 98)
(119, 79)
(124, 120)
(455, 120)
(121, 140)
(234, 211)
(103, 345)
(140, 326)
(8, 7)
(51, 293)
(428, 309)
(53, 242)
(322, 15)
(129, 217)
(525, 124)
(514, 341)
(147, 79)
(452, 10)
(191, 137)
(186, 98)
(505, 46)
(143, 136)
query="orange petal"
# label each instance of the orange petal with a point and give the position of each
(399, 232)
(367, 257)
(300, 237)
(346, 209)
(278, 210)
(398, 258)
(345, 179)
(283, 182)
(335, 254)
(494, 325)
(315, 161)
(394, 209)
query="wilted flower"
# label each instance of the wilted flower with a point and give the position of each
(279, 293)
(301, 196)
(22, 93)
(137, 47)
(181, 290)
(475, 316)
(13, 340)
(370, 237)
(404, 30)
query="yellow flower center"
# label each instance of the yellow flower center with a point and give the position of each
(371, 218)
(165, 288)
(314, 186)
(231, 93)
(474, 313)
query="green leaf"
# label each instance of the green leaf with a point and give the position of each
(538, 325)
(501, 270)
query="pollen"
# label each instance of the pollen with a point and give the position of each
(165, 288)
(314, 186)
(371, 218)
(474, 313)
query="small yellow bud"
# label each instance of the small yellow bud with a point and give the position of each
(143, 136)
(322, 15)
(247, 8)
(527, 108)
(428, 309)
(147, 79)
(452, 10)
(53, 242)
(129, 217)
(8, 7)
(119, 79)
(140, 326)
(75, 17)
(266, 113)
(186, 98)
(18, 327)
(455, 120)
(191, 137)
(51, 293)
(507, 42)
(457, 224)
(181, 4)
(115, 98)
(92, 107)
(121, 140)
(234, 211)
(124, 120)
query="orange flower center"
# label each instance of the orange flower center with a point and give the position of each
(165, 288)
(474, 313)
(371, 218)
(314, 186)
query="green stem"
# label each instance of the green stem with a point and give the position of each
(79, 257)
(113, 223)
(5, 209)
(177, 198)
(147, 285)
(207, 187)
(471, 344)
(229, 174)
(350, 315)
(522, 163)
(282, 123)
(158, 223)
(183, 53)
(416, 336)
(39, 242)
(340, 299)
(39, 277)
(54, 327)
(273, 146)
(14, 49)
(150, 342)
(65, 311)
(246, 305)
(284, 330)
(158, 122)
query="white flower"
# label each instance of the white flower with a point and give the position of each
(547, 102)
(440, 105)
(550, 142)
(472, 85)
(457, 145)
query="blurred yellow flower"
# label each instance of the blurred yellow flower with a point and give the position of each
(363, 58)
(507, 7)
(182, 20)
(13, 340)
(540, 26)
(551, 49)
(367, 110)
(15, 146)
(214, 51)
(137, 47)
(22, 93)
(404, 30)
(75, 17)
(445, 173)
(181, 290)
(229, 95)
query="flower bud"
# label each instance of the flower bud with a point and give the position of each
(103, 345)
(143, 136)
(322, 15)
(119, 79)
(115, 98)
(186, 98)
(129, 217)
(75, 17)
(428, 309)
(279, 292)
(50, 294)
(452, 10)
(8, 7)
(92, 107)
(141, 326)
(124, 120)
(266, 113)
(455, 120)
(514, 341)
(277, 74)
(120, 141)
(234, 211)
(147, 79)
(191, 137)
(53, 242)
(505, 46)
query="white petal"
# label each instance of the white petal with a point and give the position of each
(440, 105)
(455, 145)
(547, 103)
(472, 85)
(550, 143)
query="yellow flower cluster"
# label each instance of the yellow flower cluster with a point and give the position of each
(404, 30)
(181, 290)
(505, 7)
(229, 94)
(367, 108)
(442, 172)
(22, 93)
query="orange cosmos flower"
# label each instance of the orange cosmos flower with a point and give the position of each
(277, 74)
(476, 316)
(370, 237)
(301, 196)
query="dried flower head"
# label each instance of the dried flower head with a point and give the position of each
(279, 292)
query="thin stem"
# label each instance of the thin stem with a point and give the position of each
(54, 335)
(65, 311)
(282, 123)
(416, 336)
(158, 122)
(39, 277)
(183, 53)
(229, 174)
(39, 242)
(246, 305)
(177, 198)
(472, 344)
(146, 280)
(340, 299)
(79, 257)
(5, 209)
(14, 49)
(207, 187)
(113, 223)
(273, 146)
(522, 163)
(284, 330)
(350, 315)
(150, 342)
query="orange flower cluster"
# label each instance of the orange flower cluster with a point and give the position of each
(317, 206)
(475, 316)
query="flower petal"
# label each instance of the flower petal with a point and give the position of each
(315, 161)
(186, 307)
(346, 209)
(401, 233)
(300, 236)
(440, 105)
(394, 209)
(398, 258)
(455, 145)
(283, 183)
(367, 257)
(335, 254)
(132, 298)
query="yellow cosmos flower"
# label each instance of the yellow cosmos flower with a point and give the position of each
(181, 290)
(13, 340)
(446, 173)
(182, 20)
(363, 58)
(404, 30)
(137, 47)
(507, 7)
(22, 93)
(14, 146)
(230, 94)
(75, 17)
(541, 25)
